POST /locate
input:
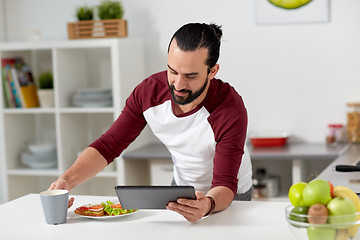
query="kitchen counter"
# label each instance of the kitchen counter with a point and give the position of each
(305, 151)
(23, 218)
(297, 153)
(300, 155)
(350, 179)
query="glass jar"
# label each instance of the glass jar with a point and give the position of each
(353, 122)
(335, 134)
(259, 184)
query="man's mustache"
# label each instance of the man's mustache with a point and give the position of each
(181, 90)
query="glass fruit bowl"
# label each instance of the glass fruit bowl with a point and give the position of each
(344, 227)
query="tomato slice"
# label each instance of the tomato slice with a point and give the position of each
(97, 207)
(88, 207)
(118, 205)
(82, 208)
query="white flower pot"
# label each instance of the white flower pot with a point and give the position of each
(46, 98)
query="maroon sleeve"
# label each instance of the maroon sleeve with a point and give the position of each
(123, 131)
(230, 126)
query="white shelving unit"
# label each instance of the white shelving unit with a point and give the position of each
(97, 63)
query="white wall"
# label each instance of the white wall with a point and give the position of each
(295, 77)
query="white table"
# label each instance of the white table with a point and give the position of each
(23, 218)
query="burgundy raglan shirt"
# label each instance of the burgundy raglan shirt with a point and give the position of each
(207, 144)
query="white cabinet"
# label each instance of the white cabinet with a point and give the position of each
(116, 64)
(161, 171)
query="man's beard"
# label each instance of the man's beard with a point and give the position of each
(191, 95)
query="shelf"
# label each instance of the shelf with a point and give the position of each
(28, 110)
(71, 44)
(50, 172)
(116, 64)
(61, 110)
(87, 110)
(33, 172)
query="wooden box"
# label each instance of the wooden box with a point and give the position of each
(97, 29)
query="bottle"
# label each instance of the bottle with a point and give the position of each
(353, 122)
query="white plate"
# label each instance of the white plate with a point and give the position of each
(45, 148)
(107, 217)
(92, 104)
(41, 165)
(90, 91)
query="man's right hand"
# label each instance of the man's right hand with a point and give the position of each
(62, 184)
(87, 165)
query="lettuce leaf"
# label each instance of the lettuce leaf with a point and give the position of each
(115, 211)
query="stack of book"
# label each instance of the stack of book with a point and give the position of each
(18, 84)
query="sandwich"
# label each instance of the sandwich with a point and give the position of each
(96, 210)
(103, 209)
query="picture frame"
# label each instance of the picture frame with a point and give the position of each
(316, 11)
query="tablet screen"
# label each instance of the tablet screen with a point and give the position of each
(152, 197)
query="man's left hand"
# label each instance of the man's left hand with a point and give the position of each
(192, 210)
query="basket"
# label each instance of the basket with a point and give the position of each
(97, 29)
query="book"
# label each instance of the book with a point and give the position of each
(7, 94)
(28, 87)
(12, 80)
(19, 87)
(7, 83)
(30, 96)
(16, 88)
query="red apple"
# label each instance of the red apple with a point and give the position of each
(331, 189)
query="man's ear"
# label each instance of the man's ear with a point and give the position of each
(213, 71)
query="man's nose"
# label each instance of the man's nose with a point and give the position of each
(179, 82)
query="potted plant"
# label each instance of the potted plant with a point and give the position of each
(46, 91)
(85, 13)
(85, 16)
(109, 9)
(110, 14)
(108, 24)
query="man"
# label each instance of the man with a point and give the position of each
(200, 119)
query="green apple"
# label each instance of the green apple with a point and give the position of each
(296, 194)
(317, 191)
(342, 211)
(297, 212)
(321, 233)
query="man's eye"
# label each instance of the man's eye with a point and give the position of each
(191, 77)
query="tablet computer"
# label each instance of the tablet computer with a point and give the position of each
(152, 197)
